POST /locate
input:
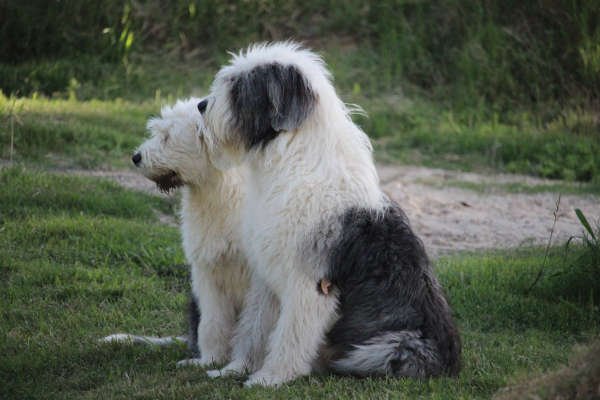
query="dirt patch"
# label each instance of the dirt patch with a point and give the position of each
(451, 219)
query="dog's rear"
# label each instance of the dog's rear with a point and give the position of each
(394, 319)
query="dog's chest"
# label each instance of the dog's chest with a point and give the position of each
(274, 232)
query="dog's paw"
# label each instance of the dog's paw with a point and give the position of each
(234, 368)
(202, 362)
(194, 362)
(215, 373)
(265, 379)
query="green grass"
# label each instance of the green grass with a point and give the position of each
(423, 133)
(32, 194)
(71, 133)
(81, 258)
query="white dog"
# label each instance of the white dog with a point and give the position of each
(176, 155)
(313, 213)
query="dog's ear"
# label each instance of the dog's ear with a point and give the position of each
(270, 99)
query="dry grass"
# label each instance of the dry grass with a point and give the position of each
(580, 379)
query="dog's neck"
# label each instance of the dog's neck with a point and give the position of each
(214, 187)
(314, 154)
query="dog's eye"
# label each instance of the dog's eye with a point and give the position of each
(165, 139)
(202, 105)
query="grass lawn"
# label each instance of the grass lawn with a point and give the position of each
(81, 258)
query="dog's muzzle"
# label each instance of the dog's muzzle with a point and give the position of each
(168, 181)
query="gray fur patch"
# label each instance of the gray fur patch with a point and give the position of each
(193, 322)
(270, 99)
(403, 353)
(389, 296)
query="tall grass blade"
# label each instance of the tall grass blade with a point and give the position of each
(585, 222)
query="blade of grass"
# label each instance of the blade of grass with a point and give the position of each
(585, 222)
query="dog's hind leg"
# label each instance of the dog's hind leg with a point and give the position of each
(305, 316)
(401, 354)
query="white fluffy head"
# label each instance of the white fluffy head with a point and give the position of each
(266, 91)
(175, 153)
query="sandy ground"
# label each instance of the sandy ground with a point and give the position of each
(451, 219)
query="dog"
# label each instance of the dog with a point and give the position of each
(176, 156)
(313, 212)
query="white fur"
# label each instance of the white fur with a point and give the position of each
(299, 180)
(127, 338)
(209, 217)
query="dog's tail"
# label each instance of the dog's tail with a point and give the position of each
(191, 339)
(400, 353)
(128, 338)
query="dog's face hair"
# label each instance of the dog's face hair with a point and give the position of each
(267, 100)
(262, 92)
(175, 154)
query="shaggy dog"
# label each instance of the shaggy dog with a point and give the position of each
(175, 155)
(313, 215)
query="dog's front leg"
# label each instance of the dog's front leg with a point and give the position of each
(261, 310)
(218, 316)
(293, 345)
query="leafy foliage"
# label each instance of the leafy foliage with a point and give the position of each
(501, 52)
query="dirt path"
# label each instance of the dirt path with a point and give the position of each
(451, 219)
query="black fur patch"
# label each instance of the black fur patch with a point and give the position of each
(387, 285)
(193, 322)
(168, 181)
(270, 99)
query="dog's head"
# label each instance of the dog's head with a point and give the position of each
(262, 93)
(175, 153)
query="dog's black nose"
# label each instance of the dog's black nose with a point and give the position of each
(202, 105)
(137, 157)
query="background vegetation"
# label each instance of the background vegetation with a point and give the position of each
(507, 85)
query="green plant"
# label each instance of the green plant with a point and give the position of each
(575, 278)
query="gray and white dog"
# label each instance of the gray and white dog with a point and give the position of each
(313, 212)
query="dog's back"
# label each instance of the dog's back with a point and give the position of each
(394, 319)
